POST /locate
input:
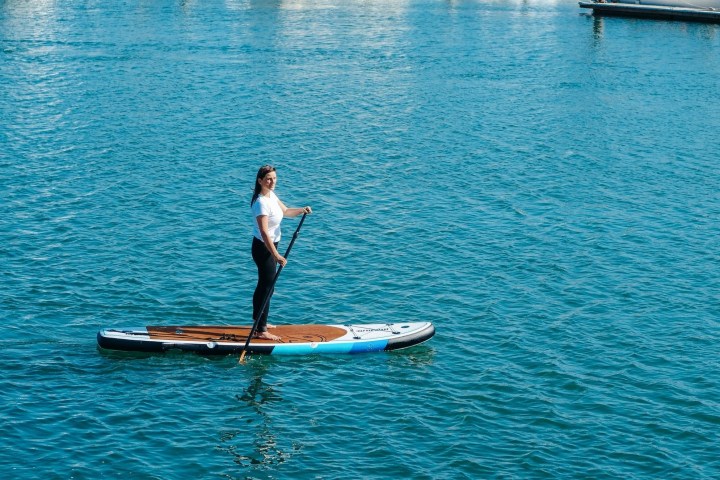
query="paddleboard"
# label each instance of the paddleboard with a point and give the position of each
(295, 339)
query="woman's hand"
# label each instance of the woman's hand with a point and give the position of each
(281, 260)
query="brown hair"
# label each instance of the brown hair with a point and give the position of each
(264, 170)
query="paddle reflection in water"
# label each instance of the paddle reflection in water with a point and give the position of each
(253, 443)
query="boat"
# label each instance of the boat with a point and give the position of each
(692, 10)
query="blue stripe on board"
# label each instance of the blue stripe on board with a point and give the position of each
(308, 348)
(373, 346)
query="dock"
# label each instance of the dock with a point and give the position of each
(653, 11)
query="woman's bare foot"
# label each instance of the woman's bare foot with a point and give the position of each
(270, 326)
(266, 336)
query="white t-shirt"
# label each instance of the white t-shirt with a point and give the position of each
(268, 205)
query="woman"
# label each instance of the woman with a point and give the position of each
(268, 211)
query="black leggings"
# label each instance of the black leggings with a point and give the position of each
(267, 266)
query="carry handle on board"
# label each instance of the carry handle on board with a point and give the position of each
(270, 290)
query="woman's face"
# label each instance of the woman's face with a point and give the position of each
(268, 181)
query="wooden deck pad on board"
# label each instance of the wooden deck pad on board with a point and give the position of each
(220, 334)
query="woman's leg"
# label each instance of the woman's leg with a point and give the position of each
(267, 266)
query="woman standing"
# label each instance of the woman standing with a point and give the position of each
(268, 211)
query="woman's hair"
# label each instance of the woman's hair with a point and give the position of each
(264, 170)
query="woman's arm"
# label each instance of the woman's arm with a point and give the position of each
(293, 212)
(262, 221)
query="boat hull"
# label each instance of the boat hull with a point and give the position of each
(654, 10)
(695, 4)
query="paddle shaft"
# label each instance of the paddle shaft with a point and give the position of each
(256, 321)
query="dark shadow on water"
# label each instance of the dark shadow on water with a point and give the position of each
(122, 355)
(258, 393)
(175, 355)
(598, 28)
(419, 355)
(253, 443)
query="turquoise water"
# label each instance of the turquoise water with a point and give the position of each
(540, 184)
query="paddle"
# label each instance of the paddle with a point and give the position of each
(270, 290)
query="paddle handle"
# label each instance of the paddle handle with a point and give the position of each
(266, 300)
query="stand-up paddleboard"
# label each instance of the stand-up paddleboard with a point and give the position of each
(295, 339)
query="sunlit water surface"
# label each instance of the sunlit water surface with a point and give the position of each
(541, 184)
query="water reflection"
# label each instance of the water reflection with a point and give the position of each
(254, 444)
(417, 356)
(707, 31)
(36, 20)
(598, 27)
